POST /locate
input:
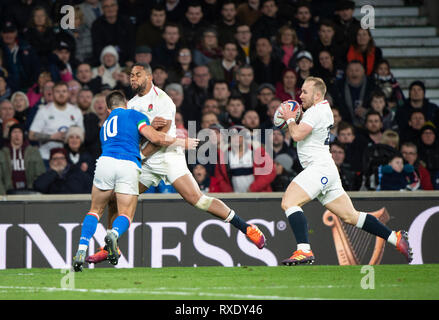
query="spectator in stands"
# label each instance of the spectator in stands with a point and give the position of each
(206, 182)
(307, 31)
(207, 48)
(5, 91)
(176, 93)
(250, 120)
(227, 23)
(115, 30)
(280, 147)
(211, 105)
(327, 42)
(416, 101)
(365, 51)
(397, 176)
(182, 71)
(267, 67)
(233, 113)
(248, 12)
(327, 70)
(77, 155)
(225, 68)
(193, 23)
(20, 59)
(287, 89)
(429, 151)
(211, 9)
(239, 173)
(91, 123)
(20, 102)
(243, 37)
(269, 22)
(143, 54)
(7, 113)
(20, 163)
(160, 76)
(208, 119)
(52, 121)
(378, 103)
(346, 25)
(349, 179)
(84, 75)
(74, 87)
(61, 177)
(337, 119)
(245, 86)
(284, 172)
(413, 132)
(99, 106)
(385, 80)
(123, 82)
(373, 124)
(166, 52)
(287, 46)
(109, 67)
(47, 97)
(175, 10)
(198, 92)
(34, 93)
(354, 145)
(221, 93)
(409, 152)
(92, 9)
(40, 34)
(265, 94)
(82, 37)
(150, 33)
(59, 63)
(391, 138)
(304, 63)
(352, 93)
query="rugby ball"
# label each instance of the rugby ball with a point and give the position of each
(281, 123)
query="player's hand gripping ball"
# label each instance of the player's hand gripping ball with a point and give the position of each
(286, 110)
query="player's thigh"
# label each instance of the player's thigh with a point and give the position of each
(343, 208)
(99, 200)
(127, 178)
(188, 188)
(294, 196)
(126, 204)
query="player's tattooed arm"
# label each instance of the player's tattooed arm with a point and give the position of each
(44, 137)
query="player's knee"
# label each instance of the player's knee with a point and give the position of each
(203, 202)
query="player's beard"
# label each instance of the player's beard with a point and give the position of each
(140, 89)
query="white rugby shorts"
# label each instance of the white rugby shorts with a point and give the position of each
(122, 176)
(321, 182)
(170, 166)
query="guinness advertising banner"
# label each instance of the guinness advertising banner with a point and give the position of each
(167, 232)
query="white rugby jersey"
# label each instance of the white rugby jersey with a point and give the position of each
(50, 119)
(156, 103)
(315, 147)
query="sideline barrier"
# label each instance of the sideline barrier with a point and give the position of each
(44, 230)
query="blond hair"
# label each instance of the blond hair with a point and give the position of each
(318, 84)
(390, 138)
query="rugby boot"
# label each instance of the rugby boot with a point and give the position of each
(403, 246)
(78, 260)
(256, 236)
(100, 255)
(299, 257)
(111, 244)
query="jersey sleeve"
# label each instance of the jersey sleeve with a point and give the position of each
(140, 119)
(311, 117)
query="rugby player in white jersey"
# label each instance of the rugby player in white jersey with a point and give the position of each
(320, 178)
(169, 164)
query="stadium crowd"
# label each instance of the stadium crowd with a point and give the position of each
(226, 65)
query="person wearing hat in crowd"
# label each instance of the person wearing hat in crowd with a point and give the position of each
(150, 33)
(77, 155)
(284, 172)
(143, 54)
(19, 58)
(59, 63)
(265, 94)
(429, 151)
(416, 101)
(248, 167)
(305, 63)
(160, 76)
(109, 67)
(62, 177)
(20, 163)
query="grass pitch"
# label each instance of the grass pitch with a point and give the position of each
(212, 283)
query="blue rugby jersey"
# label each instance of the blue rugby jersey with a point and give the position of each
(120, 135)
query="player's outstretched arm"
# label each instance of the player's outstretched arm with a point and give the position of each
(165, 140)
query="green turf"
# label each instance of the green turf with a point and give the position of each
(300, 282)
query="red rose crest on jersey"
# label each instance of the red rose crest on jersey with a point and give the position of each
(150, 107)
(72, 117)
